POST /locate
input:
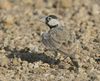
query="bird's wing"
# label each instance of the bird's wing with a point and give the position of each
(56, 37)
(60, 39)
(60, 35)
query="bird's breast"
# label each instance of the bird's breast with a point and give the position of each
(49, 42)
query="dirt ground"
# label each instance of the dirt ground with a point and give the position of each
(22, 54)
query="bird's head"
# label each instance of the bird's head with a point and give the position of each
(52, 21)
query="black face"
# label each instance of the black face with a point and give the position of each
(49, 18)
(52, 16)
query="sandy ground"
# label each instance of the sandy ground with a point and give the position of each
(22, 56)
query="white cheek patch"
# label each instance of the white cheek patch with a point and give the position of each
(53, 22)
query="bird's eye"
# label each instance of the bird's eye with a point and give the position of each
(49, 18)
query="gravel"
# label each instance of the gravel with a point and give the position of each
(22, 54)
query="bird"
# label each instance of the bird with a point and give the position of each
(58, 38)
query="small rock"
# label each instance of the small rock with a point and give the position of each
(5, 4)
(28, 1)
(8, 20)
(37, 64)
(15, 61)
(30, 65)
(39, 4)
(96, 9)
(2, 34)
(66, 3)
(4, 61)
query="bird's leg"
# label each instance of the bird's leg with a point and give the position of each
(74, 61)
(56, 54)
(66, 56)
(73, 58)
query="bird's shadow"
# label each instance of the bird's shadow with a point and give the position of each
(31, 57)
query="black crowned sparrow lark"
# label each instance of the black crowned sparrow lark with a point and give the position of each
(58, 38)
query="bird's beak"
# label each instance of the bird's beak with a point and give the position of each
(42, 19)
